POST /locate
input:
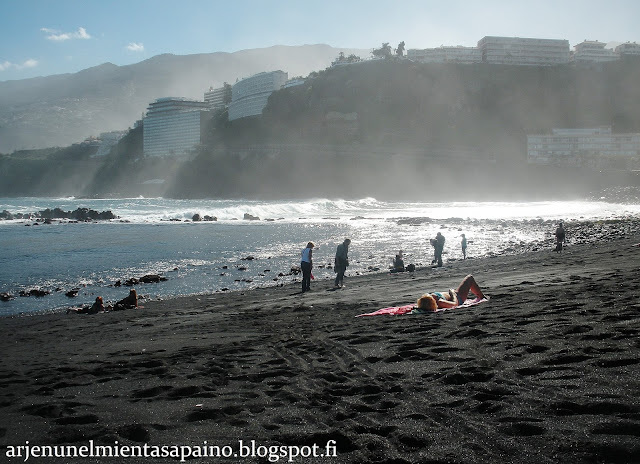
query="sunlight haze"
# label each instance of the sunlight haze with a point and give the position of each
(41, 38)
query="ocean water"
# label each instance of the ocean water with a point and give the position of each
(157, 236)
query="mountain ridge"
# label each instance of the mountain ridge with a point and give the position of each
(62, 109)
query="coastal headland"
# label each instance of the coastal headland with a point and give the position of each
(545, 371)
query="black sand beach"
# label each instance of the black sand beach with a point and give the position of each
(547, 371)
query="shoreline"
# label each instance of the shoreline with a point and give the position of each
(581, 232)
(546, 371)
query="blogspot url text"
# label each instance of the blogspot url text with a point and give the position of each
(241, 449)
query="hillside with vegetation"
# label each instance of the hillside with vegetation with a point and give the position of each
(384, 128)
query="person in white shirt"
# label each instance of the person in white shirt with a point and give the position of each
(306, 263)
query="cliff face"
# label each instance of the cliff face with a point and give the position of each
(399, 128)
(435, 106)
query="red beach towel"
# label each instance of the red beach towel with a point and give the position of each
(400, 310)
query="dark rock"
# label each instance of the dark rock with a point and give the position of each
(34, 292)
(249, 217)
(152, 278)
(72, 293)
(4, 296)
(196, 218)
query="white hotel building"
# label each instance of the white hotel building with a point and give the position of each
(523, 51)
(444, 54)
(174, 126)
(593, 148)
(592, 51)
(249, 96)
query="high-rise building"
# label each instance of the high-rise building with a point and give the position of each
(218, 98)
(249, 96)
(174, 126)
(523, 51)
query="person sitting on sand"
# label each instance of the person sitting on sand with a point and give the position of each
(452, 298)
(96, 307)
(129, 302)
(398, 263)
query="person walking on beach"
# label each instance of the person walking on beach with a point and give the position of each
(464, 246)
(341, 262)
(438, 247)
(560, 237)
(306, 264)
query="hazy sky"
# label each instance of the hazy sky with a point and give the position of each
(44, 37)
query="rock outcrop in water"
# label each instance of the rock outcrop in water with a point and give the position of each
(79, 214)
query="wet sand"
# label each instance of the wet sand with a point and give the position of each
(546, 371)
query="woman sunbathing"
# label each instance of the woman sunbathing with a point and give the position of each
(452, 298)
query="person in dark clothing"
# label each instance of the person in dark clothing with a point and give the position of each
(96, 307)
(341, 262)
(438, 247)
(463, 243)
(560, 237)
(306, 264)
(129, 302)
(398, 263)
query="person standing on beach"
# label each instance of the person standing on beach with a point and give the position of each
(438, 247)
(341, 262)
(464, 246)
(560, 237)
(306, 264)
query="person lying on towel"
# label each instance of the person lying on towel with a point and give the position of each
(450, 299)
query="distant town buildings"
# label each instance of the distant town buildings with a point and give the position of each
(524, 52)
(596, 148)
(173, 126)
(249, 96)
